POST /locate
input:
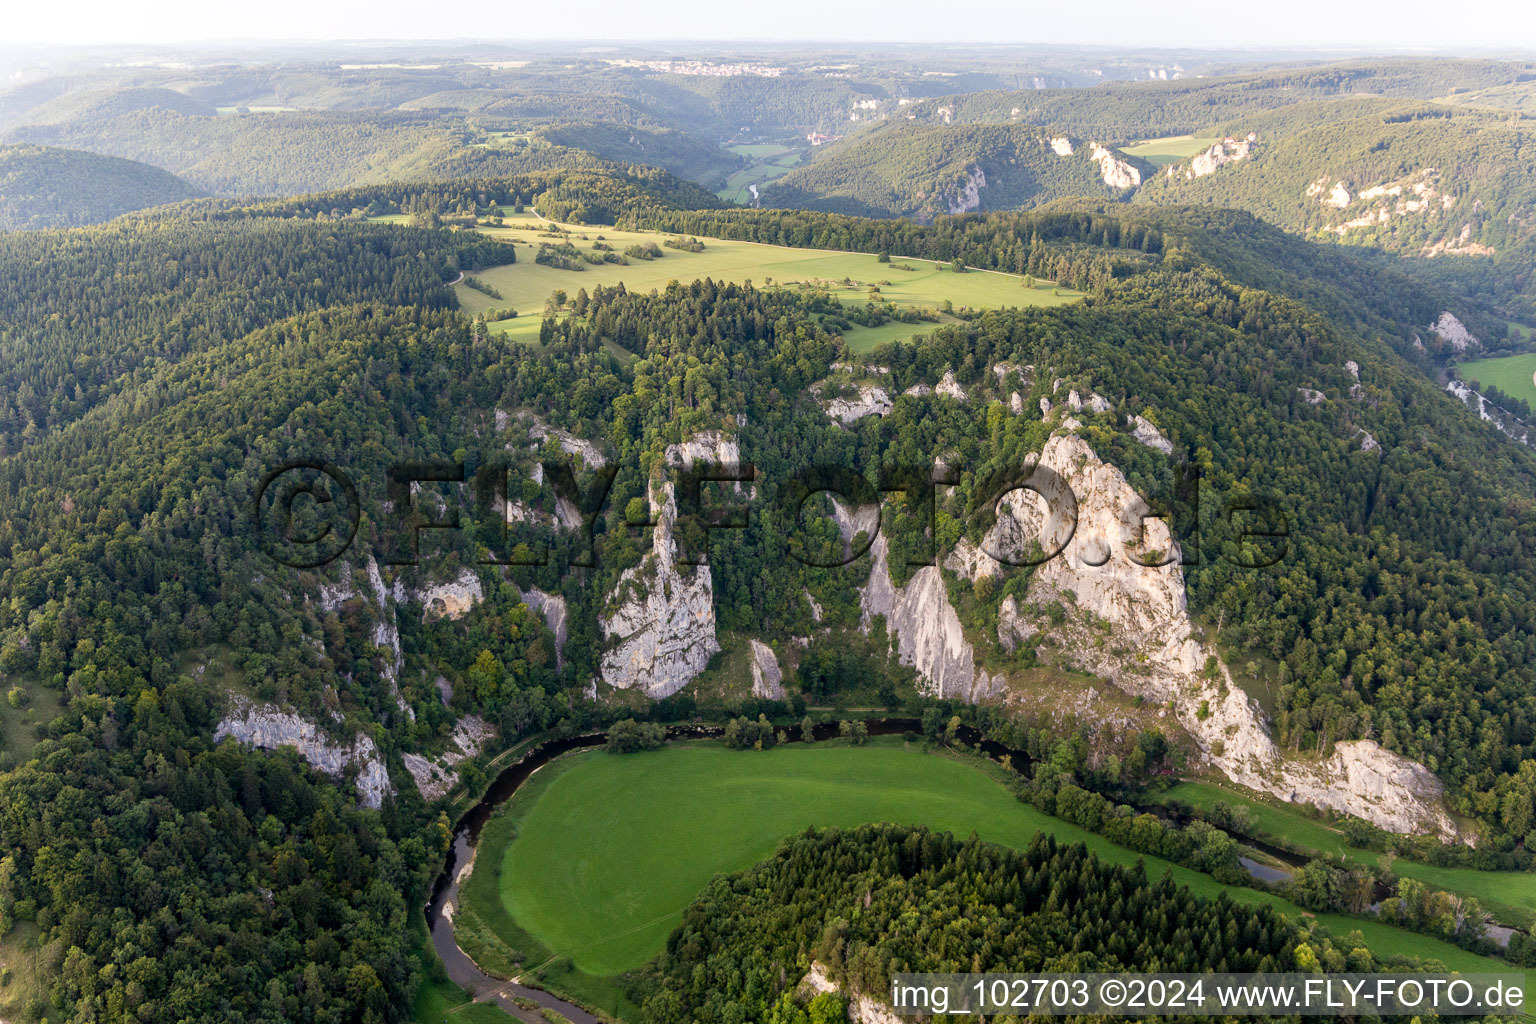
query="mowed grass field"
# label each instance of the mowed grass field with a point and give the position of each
(597, 857)
(1509, 895)
(524, 286)
(1169, 149)
(1513, 375)
(770, 161)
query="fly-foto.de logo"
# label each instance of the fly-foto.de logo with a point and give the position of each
(307, 513)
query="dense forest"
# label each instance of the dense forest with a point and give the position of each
(50, 188)
(913, 170)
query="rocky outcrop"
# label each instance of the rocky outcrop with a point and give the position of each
(267, 727)
(1218, 156)
(968, 197)
(767, 679)
(1311, 396)
(1146, 432)
(552, 608)
(870, 401)
(1093, 403)
(1356, 389)
(949, 387)
(861, 1008)
(451, 600)
(1367, 442)
(1116, 172)
(926, 631)
(1505, 421)
(1454, 333)
(590, 454)
(1012, 630)
(435, 778)
(1156, 654)
(1337, 197)
(661, 617)
(1061, 146)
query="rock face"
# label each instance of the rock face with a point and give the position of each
(870, 401)
(926, 630)
(968, 197)
(452, 600)
(1146, 610)
(661, 616)
(767, 679)
(1116, 172)
(1011, 630)
(552, 607)
(590, 454)
(861, 1008)
(436, 778)
(1504, 420)
(268, 727)
(1061, 146)
(1454, 333)
(1218, 156)
(386, 635)
(950, 388)
(1145, 431)
(1310, 396)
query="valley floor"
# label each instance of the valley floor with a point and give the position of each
(587, 869)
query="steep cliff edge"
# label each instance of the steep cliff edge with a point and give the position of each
(268, 727)
(1156, 654)
(661, 616)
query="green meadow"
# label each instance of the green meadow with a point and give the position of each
(909, 283)
(1169, 149)
(588, 868)
(1513, 375)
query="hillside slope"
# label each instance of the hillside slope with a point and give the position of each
(921, 171)
(41, 187)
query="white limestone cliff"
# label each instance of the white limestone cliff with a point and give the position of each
(661, 616)
(968, 197)
(434, 778)
(1454, 333)
(870, 401)
(267, 727)
(453, 599)
(1146, 432)
(1218, 156)
(1117, 173)
(949, 387)
(1061, 146)
(1146, 610)
(925, 629)
(552, 608)
(767, 679)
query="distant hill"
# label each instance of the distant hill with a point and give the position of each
(1125, 111)
(1415, 179)
(43, 187)
(926, 170)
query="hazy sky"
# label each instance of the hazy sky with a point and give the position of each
(1257, 24)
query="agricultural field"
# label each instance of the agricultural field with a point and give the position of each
(597, 857)
(1513, 375)
(1168, 150)
(909, 283)
(769, 161)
